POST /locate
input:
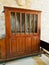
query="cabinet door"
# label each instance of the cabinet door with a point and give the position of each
(2, 49)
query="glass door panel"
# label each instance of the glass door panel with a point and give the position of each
(13, 22)
(23, 23)
(27, 20)
(28, 23)
(35, 23)
(17, 22)
(31, 23)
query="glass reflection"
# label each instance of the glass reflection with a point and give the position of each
(13, 22)
(27, 22)
(31, 23)
(35, 23)
(23, 22)
(17, 22)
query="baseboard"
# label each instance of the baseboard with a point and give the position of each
(45, 51)
(44, 45)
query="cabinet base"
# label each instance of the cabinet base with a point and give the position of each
(19, 57)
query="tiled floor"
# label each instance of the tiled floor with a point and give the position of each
(34, 60)
(43, 60)
(23, 61)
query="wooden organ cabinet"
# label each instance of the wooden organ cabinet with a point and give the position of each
(22, 33)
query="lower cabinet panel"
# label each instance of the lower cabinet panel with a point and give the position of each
(35, 44)
(28, 44)
(20, 44)
(18, 47)
(12, 47)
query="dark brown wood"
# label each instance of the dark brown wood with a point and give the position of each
(18, 45)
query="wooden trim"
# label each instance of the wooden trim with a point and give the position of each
(30, 10)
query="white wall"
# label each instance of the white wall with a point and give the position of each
(42, 5)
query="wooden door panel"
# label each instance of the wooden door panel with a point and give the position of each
(8, 47)
(13, 46)
(28, 44)
(20, 44)
(38, 43)
(2, 49)
(34, 44)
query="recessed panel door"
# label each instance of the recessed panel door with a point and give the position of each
(17, 38)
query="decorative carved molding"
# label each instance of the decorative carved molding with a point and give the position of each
(21, 2)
